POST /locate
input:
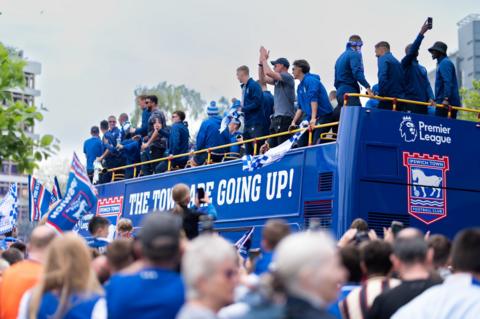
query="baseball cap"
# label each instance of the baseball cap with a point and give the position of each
(282, 61)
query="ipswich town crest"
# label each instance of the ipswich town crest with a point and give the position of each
(427, 197)
(110, 208)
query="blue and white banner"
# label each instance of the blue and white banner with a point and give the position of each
(244, 243)
(9, 210)
(39, 199)
(80, 199)
(251, 163)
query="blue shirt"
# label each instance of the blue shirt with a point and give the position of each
(233, 139)
(349, 72)
(446, 85)
(267, 106)
(143, 130)
(111, 138)
(80, 306)
(150, 293)
(252, 103)
(92, 148)
(131, 151)
(390, 77)
(263, 262)
(311, 90)
(417, 86)
(178, 140)
(209, 134)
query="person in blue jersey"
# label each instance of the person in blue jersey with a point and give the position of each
(210, 270)
(68, 287)
(143, 103)
(178, 140)
(252, 99)
(202, 209)
(267, 107)
(391, 78)
(417, 85)
(312, 100)
(349, 74)
(446, 85)
(273, 232)
(93, 148)
(99, 227)
(156, 290)
(235, 135)
(209, 135)
(111, 158)
(124, 126)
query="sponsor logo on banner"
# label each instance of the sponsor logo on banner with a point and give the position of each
(411, 131)
(427, 182)
(111, 208)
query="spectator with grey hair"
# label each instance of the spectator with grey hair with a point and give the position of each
(210, 271)
(156, 290)
(410, 259)
(309, 269)
(459, 296)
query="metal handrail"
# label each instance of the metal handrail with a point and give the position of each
(395, 101)
(209, 150)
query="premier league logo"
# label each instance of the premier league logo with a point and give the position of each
(408, 131)
(427, 198)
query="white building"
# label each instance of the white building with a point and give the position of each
(8, 170)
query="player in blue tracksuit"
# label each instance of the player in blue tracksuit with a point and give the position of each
(446, 85)
(130, 150)
(93, 148)
(252, 99)
(349, 74)
(111, 157)
(209, 136)
(143, 102)
(177, 143)
(312, 100)
(417, 85)
(391, 79)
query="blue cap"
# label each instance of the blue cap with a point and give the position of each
(281, 61)
(212, 109)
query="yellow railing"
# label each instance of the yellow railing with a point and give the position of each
(211, 150)
(395, 101)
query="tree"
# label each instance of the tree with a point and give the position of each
(16, 144)
(171, 98)
(471, 99)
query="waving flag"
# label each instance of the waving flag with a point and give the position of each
(56, 194)
(244, 243)
(251, 163)
(39, 199)
(9, 210)
(80, 199)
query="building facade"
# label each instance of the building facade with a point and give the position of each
(8, 170)
(467, 58)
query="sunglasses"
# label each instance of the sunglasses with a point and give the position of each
(112, 121)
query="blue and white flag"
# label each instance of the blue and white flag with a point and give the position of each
(251, 163)
(56, 194)
(80, 199)
(9, 210)
(244, 243)
(39, 199)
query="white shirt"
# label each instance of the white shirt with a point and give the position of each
(456, 298)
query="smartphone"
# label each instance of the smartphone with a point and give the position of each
(396, 227)
(430, 22)
(201, 194)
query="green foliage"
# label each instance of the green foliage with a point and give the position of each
(171, 98)
(16, 117)
(471, 100)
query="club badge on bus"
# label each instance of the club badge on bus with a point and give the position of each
(426, 180)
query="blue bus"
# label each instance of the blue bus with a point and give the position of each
(384, 165)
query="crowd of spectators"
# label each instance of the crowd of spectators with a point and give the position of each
(175, 267)
(259, 113)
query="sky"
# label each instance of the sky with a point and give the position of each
(94, 53)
